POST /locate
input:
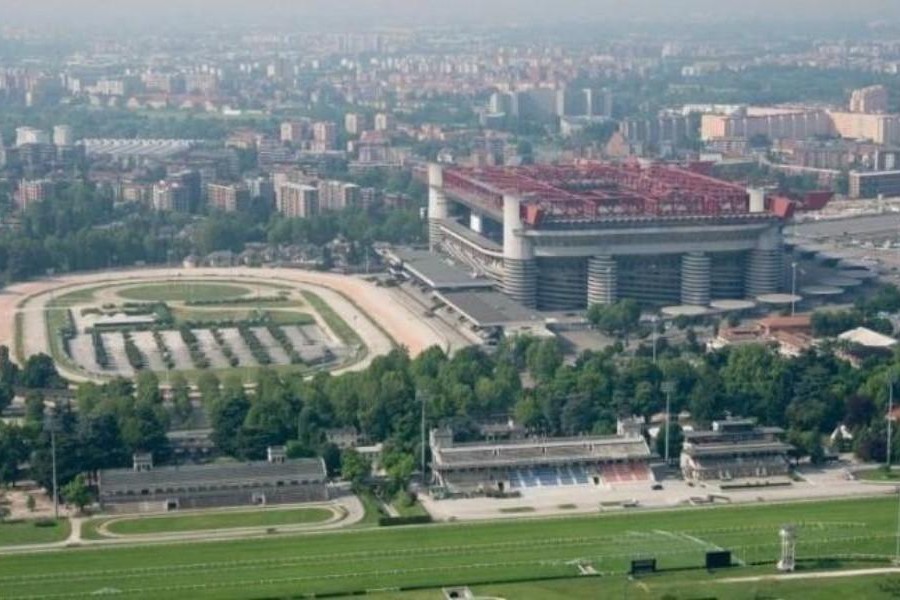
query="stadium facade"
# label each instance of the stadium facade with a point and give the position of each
(503, 466)
(567, 237)
(736, 451)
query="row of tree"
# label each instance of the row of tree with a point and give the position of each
(808, 395)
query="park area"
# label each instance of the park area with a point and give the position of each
(578, 557)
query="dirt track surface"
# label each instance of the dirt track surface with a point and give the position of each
(370, 310)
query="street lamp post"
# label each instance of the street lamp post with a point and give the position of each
(422, 397)
(793, 288)
(51, 426)
(668, 387)
(890, 420)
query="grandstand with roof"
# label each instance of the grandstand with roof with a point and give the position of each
(736, 452)
(278, 480)
(515, 465)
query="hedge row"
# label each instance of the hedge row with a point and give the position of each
(198, 357)
(256, 347)
(163, 350)
(101, 356)
(232, 301)
(410, 520)
(227, 351)
(135, 358)
(282, 338)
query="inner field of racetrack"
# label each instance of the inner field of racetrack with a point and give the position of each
(452, 554)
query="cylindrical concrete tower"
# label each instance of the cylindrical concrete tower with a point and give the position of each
(757, 200)
(695, 278)
(602, 278)
(476, 222)
(437, 204)
(519, 267)
(764, 265)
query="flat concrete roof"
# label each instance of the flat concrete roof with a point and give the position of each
(489, 308)
(841, 282)
(438, 272)
(685, 310)
(855, 273)
(732, 304)
(821, 290)
(779, 298)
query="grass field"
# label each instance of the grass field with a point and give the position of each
(859, 532)
(182, 291)
(220, 520)
(879, 475)
(26, 532)
(335, 322)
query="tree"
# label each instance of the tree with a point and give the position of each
(181, 399)
(40, 373)
(399, 467)
(228, 416)
(355, 468)
(147, 388)
(77, 493)
(544, 358)
(620, 318)
(14, 451)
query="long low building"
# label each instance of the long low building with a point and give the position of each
(278, 480)
(510, 465)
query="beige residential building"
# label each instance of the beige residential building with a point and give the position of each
(297, 200)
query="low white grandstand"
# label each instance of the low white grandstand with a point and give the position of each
(534, 463)
(736, 451)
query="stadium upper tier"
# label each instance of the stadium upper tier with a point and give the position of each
(596, 192)
(531, 452)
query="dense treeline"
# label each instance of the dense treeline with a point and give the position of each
(809, 396)
(78, 228)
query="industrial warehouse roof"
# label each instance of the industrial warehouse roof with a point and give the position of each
(490, 308)
(597, 192)
(437, 272)
(114, 481)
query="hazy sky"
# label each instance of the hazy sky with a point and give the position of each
(85, 13)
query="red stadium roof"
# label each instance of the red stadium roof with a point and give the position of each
(592, 191)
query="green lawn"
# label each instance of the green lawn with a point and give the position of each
(413, 510)
(219, 520)
(182, 291)
(431, 556)
(26, 532)
(334, 321)
(879, 475)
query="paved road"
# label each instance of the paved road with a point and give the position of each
(818, 575)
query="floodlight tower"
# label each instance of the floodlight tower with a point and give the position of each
(788, 535)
